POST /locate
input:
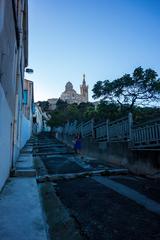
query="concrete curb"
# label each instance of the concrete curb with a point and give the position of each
(105, 172)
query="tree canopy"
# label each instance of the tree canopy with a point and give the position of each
(65, 112)
(120, 96)
(61, 105)
(140, 88)
(103, 111)
(44, 105)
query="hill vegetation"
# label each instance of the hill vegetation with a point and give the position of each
(127, 94)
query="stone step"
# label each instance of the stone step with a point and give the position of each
(25, 172)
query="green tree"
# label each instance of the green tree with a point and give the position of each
(72, 112)
(141, 88)
(84, 109)
(58, 118)
(89, 113)
(44, 105)
(61, 105)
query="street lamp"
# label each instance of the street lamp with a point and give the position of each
(29, 70)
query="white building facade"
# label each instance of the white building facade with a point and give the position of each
(13, 60)
(71, 96)
(37, 119)
(40, 119)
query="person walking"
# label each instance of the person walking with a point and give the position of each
(77, 144)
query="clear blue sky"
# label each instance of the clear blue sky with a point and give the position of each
(102, 38)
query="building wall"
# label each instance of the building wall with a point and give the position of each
(6, 138)
(27, 112)
(38, 120)
(20, 9)
(28, 101)
(26, 130)
(72, 97)
(8, 54)
(52, 103)
(13, 60)
(8, 63)
(17, 123)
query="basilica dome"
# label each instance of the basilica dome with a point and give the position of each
(69, 86)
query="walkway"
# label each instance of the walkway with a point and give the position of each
(20, 208)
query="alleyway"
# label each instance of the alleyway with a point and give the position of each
(105, 202)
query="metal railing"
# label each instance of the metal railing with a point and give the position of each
(120, 130)
(87, 128)
(70, 128)
(101, 131)
(146, 136)
(79, 128)
(110, 131)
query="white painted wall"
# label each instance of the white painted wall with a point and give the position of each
(6, 137)
(13, 60)
(46, 128)
(26, 130)
(38, 114)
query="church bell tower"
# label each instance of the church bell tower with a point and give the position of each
(84, 89)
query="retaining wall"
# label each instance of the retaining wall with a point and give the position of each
(118, 153)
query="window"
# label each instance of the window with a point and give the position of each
(25, 97)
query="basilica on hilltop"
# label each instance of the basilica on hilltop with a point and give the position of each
(70, 95)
